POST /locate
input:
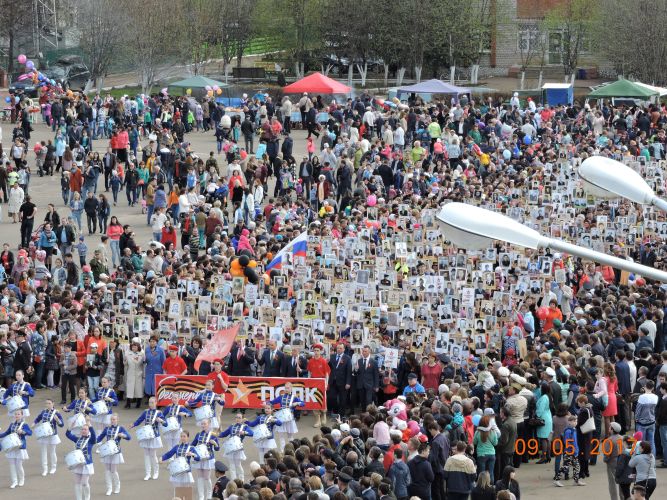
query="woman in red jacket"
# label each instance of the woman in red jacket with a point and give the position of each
(114, 231)
(168, 236)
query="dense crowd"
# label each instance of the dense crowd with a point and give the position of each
(447, 370)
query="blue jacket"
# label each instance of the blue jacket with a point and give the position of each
(623, 376)
(399, 474)
(115, 432)
(46, 241)
(206, 398)
(15, 389)
(234, 430)
(570, 439)
(52, 416)
(81, 406)
(151, 417)
(112, 394)
(261, 419)
(175, 411)
(212, 445)
(85, 444)
(181, 450)
(15, 427)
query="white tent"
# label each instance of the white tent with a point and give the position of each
(661, 90)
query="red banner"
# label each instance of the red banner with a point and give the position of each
(243, 392)
(219, 345)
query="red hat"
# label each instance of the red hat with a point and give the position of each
(173, 348)
(318, 346)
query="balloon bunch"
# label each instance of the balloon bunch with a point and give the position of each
(38, 78)
(210, 90)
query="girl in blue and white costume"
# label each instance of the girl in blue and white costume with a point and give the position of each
(186, 450)
(17, 456)
(19, 388)
(270, 421)
(108, 395)
(153, 417)
(48, 444)
(203, 467)
(113, 432)
(82, 473)
(236, 458)
(176, 411)
(208, 398)
(287, 400)
(80, 406)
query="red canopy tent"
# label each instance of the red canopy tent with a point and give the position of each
(317, 83)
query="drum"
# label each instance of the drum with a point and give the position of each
(202, 451)
(43, 430)
(15, 403)
(203, 413)
(261, 432)
(10, 442)
(77, 421)
(172, 425)
(74, 458)
(145, 433)
(285, 415)
(101, 407)
(232, 444)
(108, 448)
(2, 392)
(178, 466)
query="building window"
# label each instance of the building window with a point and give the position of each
(528, 38)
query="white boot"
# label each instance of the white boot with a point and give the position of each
(208, 488)
(54, 458)
(78, 492)
(116, 483)
(12, 474)
(85, 491)
(45, 460)
(200, 489)
(147, 467)
(20, 474)
(156, 467)
(108, 482)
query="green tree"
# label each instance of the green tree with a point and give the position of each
(297, 26)
(576, 20)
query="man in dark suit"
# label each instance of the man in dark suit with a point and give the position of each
(295, 365)
(624, 389)
(340, 380)
(240, 361)
(272, 360)
(368, 378)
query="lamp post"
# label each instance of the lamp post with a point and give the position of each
(475, 228)
(607, 178)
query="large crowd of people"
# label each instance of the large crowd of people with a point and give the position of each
(446, 370)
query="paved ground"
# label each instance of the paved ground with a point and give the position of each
(535, 480)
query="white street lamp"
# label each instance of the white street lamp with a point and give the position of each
(607, 178)
(475, 228)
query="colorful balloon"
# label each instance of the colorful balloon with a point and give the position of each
(30, 65)
(208, 88)
(542, 312)
(476, 419)
(527, 140)
(22, 58)
(219, 91)
(188, 91)
(8, 99)
(215, 87)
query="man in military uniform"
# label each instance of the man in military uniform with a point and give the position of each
(221, 479)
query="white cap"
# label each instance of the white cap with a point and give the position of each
(344, 428)
(550, 372)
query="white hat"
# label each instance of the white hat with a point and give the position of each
(442, 388)
(344, 427)
(503, 371)
(550, 372)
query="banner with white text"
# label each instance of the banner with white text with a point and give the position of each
(243, 392)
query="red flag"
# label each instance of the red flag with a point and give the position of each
(219, 345)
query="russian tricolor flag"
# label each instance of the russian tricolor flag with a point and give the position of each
(297, 247)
